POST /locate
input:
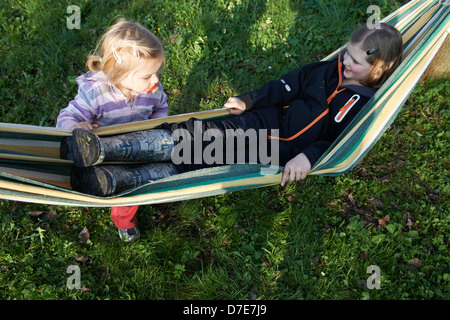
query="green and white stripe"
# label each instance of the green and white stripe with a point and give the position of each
(32, 171)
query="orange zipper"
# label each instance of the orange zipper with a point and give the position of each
(304, 129)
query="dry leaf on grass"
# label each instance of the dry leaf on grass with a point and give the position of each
(415, 262)
(382, 221)
(44, 215)
(84, 235)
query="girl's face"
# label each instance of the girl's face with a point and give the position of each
(356, 66)
(144, 79)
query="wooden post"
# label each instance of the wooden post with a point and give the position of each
(440, 65)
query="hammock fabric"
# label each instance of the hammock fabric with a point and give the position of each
(31, 169)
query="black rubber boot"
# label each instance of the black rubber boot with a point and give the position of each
(106, 180)
(86, 149)
(83, 147)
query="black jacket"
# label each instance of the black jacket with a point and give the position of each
(297, 106)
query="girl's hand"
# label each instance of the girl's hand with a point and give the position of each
(84, 125)
(296, 169)
(236, 106)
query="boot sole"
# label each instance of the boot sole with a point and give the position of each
(87, 149)
(96, 181)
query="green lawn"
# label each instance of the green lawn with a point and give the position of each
(314, 239)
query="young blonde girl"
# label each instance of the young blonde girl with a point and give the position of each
(121, 86)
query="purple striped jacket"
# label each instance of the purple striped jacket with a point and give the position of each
(103, 104)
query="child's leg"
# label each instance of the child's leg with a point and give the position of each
(124, 217)
(106, 180)
(86, 149)
(240, 141)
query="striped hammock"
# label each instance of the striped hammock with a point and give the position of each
(31, 169)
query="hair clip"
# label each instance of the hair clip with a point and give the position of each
(136, 51)
(116, 55)
(372, 51)
(100, 59)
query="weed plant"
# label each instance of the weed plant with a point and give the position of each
(314, 239)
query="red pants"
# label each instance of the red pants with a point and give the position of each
(124, 217)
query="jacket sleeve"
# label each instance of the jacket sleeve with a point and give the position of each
(78, 110)
(315, 150)
(276, 92)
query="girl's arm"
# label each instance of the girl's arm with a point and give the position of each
(77, 114)
(276, 92)
(273, 93)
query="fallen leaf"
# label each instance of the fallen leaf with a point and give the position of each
(81, 259)
(84, 289)
(352, 200)
(383, 168)
(84, 235)
(382, 221)
(35, 214)
(44, 215)
(364, 255)
(264, 261)
(173, 38)
(415, 262)
(407, 219)
(279, 274)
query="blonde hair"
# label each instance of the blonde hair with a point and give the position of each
(121, 48)
(384, 48)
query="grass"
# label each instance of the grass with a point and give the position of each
(314, 239)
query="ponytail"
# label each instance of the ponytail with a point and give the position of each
(93, 63)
